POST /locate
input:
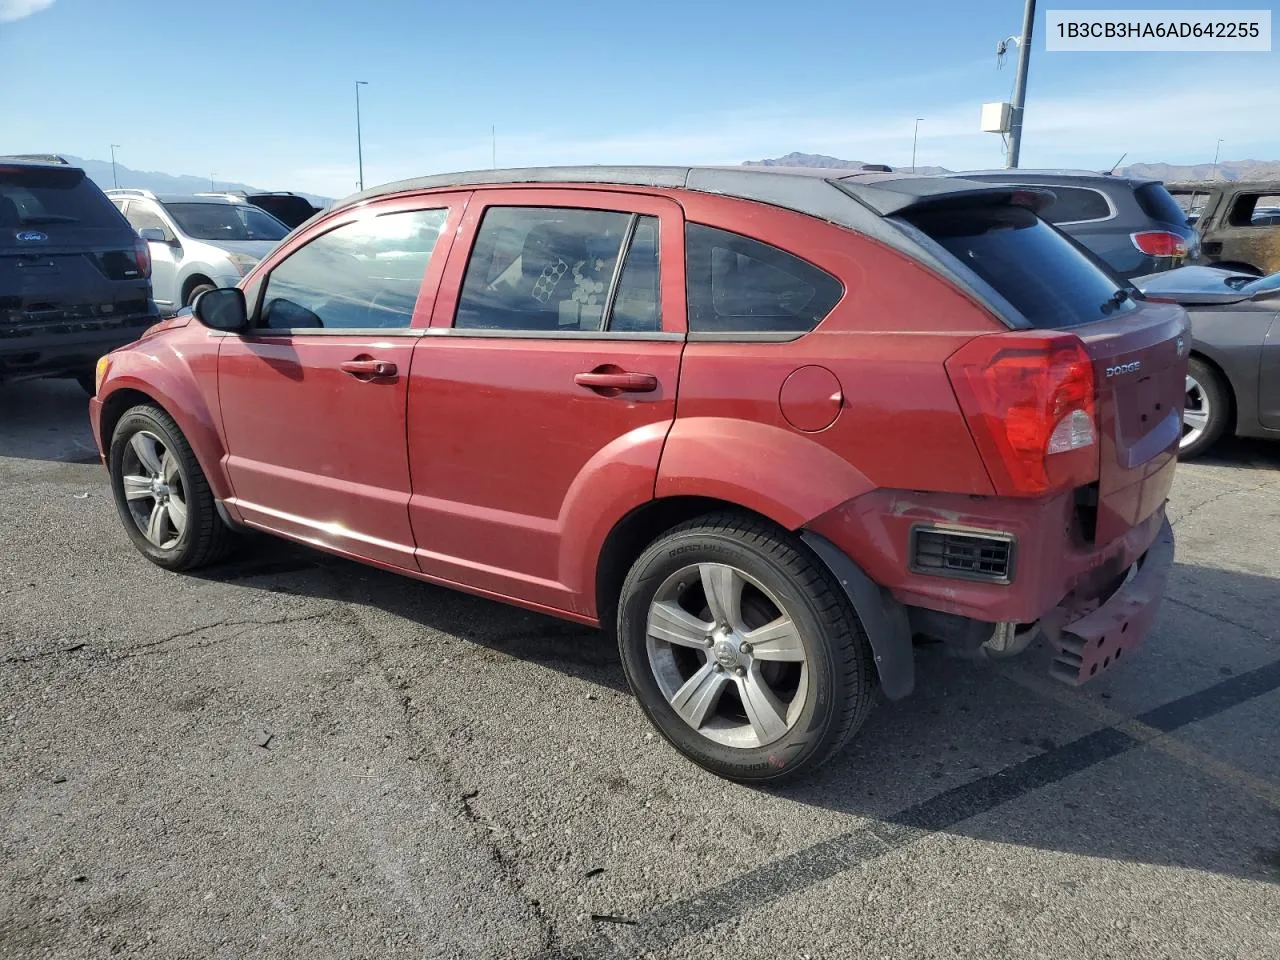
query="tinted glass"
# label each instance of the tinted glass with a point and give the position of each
(541, 268)
(31, 198)
(1075, 203)
(1266, 211)
(1029, 263)
(226, 221)
(739, 285)
(1158, 204)
(636, 305)
(363, 275)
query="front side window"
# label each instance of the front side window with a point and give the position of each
(363, 275)
(141, 219)
(225, 221)
(739, 285)
(548, 269)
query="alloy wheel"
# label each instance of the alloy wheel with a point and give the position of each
(154, 489)
(727, 655)
(1195, 414)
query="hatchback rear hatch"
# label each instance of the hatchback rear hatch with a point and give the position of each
(1086, 391)
(68, 259)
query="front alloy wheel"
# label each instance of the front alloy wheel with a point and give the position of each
(154, 489)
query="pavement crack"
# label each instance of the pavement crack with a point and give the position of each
(1216, 616)
(1201, 505)
(152, 647)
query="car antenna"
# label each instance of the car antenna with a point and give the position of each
(1117, 163)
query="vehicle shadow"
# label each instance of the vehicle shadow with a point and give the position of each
(45, 419)
(935, 760)
(1247, 453)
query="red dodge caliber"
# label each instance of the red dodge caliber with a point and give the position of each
(768, 425)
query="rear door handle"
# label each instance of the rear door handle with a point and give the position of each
(368, 369)
(623, 381)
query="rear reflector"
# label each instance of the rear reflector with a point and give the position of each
(1031, 405)
(1159, 243)
(961, 553)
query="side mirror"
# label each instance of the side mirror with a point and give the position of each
(222, 309)
(153, 235)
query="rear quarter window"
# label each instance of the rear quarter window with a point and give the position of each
(1073, 204)
(1158, 203)
(1029, 263)
(739, 285)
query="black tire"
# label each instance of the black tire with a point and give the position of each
(205, 537)
(841, 671)
(195, 291)
(1218, 398)
(88, 381)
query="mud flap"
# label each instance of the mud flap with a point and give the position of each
(883, 618)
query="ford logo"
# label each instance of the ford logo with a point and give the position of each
(31, 236)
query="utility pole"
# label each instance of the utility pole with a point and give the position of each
(914, 138)
(359, 144)
(1217, 151)
(115, 181)
(1020, 85)
(212, 187)
(493, 144)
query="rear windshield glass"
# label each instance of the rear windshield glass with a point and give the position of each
(45, 198)
(1030, 264)
(226, 221)
(1158, 203)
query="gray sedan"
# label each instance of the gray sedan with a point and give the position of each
(1233, 383)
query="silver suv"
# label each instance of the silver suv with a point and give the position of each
(197, 243)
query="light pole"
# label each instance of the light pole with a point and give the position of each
(359, 145)
(1020, 85)
(115, 181)
(914, 138)
(1216, 153)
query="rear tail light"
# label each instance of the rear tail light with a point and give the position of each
(142, 255)
(1159, 243)
(1031, 403)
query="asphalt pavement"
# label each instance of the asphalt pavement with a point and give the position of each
(295, 756)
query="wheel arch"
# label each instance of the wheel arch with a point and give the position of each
(1197, 353)
(186, 409)
(190, 283)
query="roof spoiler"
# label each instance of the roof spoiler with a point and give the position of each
(889, 196)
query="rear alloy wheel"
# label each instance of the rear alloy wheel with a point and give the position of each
(741, 650)
(161, 493)
(1206, 410)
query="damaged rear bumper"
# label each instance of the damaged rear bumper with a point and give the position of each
(1090, 643)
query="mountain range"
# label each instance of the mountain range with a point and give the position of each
(99, 171)
(1168, 172)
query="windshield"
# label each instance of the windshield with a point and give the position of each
(1029, 263)
(226, 221)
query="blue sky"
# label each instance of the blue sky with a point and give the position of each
(262, 92)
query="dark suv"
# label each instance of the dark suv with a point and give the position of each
(74, 277)
(1131, 223)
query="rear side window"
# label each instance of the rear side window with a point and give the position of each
(1074, 204)
(46, 198)
(739, 285)
(1030, 264)
(141, 219)
(1158, 203)
(549, 269)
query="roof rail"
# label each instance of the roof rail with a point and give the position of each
(37, 158)
(221, 194)
(130, 192)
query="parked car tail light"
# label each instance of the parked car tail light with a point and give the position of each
(1160, 243)
(1031, 403)
(142, 254)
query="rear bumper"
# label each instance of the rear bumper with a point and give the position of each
(1098, 639)
(68, 348)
